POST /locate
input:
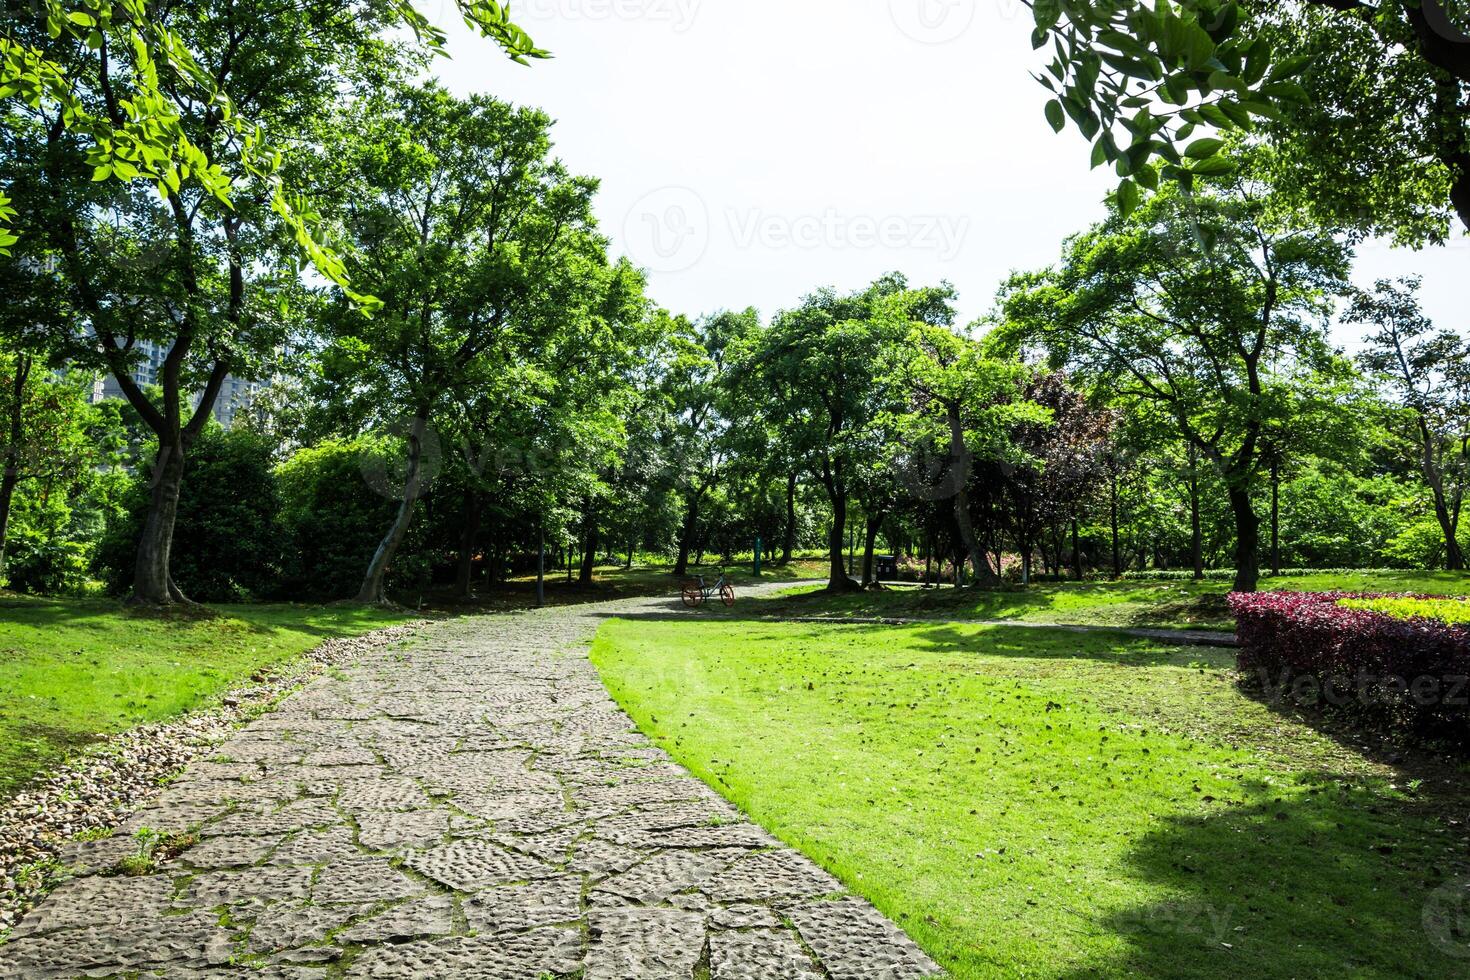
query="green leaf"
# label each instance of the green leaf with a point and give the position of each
(1201, 149)
(1215, 166)
(1128, 198)
(1056, 115)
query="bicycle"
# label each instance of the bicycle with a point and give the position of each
(697, 591)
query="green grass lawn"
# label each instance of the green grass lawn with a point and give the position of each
(71, 670)
(1034, 803)
(1187, 604)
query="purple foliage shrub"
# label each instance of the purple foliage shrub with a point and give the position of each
(1402, 676)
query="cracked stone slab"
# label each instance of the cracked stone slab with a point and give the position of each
(513, 908)
(229, 852)
(193, 940)
(666, 874)
(760, 954)
(771, 874)
(643, 944)
(364, 881)
(470, 865)
(417, 919)
(855, 942)
(391, 831)
(528, 956)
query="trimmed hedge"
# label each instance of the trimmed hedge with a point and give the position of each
(1407, 677)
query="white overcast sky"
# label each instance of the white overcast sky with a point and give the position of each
(753, 150)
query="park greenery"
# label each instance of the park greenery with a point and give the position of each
(463, 400)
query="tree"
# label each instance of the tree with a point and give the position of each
(824, 360)
(42, 432)
(150, 65)
(962, 405)
(1427, 374)
(1141, 80)
(484, 253)
(1205, 305)
(695, 385)
(207, 282)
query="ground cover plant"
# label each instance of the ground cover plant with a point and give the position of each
(72, 670)
(1415, 607)
(1028, 802)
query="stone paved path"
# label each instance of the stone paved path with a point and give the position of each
(475, 806)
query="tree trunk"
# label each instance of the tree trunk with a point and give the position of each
(1275, 517)
(870, 540)
(1247, 541)
(11, 475)
(1448, 523)
(1113, 517)
(788, 543)
(540, 565)
(464, 580)
(372, 590)
(151, 582)
(589, 556)
(979, 564)
(1076, 552)
(837, 579)
(686, 534)
(8, 481)
(1196, 538)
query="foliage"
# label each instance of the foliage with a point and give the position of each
(228, 545)
(1207, 307)
(1406, 677)
(331, 518)
(1415, 607)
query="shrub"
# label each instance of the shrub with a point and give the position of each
(226, 545)
(332, 521)
(1395, 675)
(1228, 574)
(1415, 607)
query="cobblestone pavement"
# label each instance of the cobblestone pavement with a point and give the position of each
(472, 806)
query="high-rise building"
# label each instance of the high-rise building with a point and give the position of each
(235, 395)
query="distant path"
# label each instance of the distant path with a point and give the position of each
(475, 806)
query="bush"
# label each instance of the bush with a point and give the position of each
(1402, 676)
(332, 521)
(45, 554)
(226, 544)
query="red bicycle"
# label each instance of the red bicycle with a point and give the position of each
(697, 591)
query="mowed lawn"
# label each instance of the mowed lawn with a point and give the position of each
(1043, 804)
(71, 670)
(1180, 604)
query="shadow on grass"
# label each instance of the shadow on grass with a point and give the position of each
(1336, 883)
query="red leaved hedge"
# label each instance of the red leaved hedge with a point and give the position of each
(1408, 676)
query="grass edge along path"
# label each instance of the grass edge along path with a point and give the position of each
(73, 670)
(1025, 802)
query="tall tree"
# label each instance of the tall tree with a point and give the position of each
(1427, 375)
(481, 248)
(1206, 305)
(171, 265)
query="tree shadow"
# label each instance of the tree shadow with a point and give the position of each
(1327, 877)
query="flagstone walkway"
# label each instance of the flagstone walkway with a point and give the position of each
(473, 805)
